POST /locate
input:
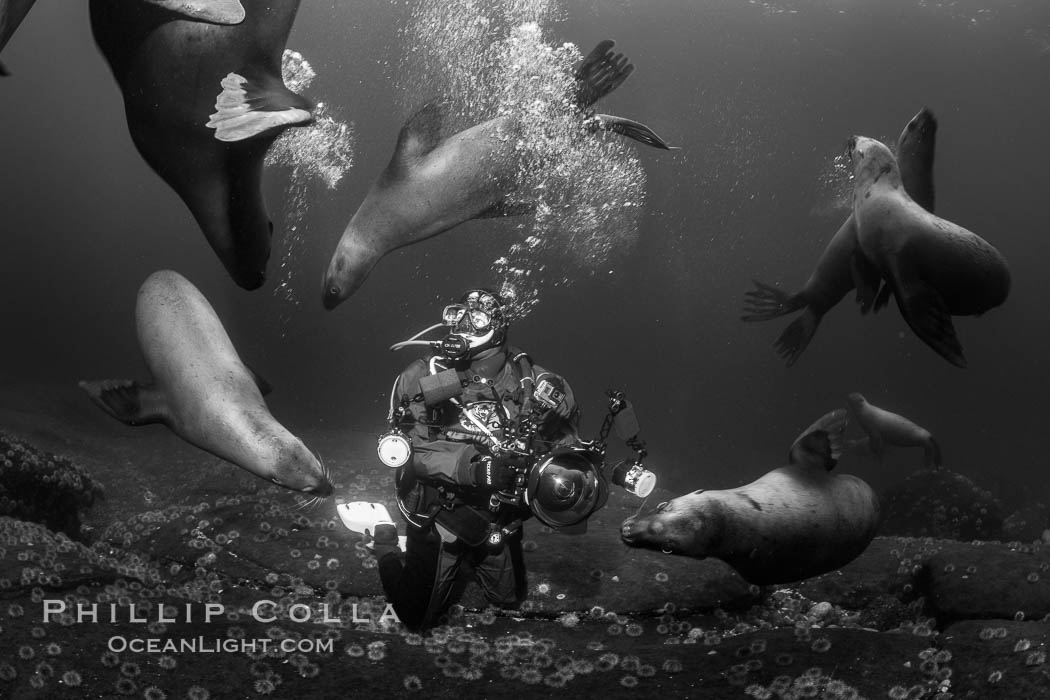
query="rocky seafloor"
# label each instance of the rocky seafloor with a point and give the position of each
(163, 531)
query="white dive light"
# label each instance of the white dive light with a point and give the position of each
(634, 478)
(394, 449)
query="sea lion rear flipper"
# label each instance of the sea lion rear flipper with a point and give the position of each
(866, 279)
(632, 129)
(925, 311)
(125, 399)
(247, 108)
(599, 73)
(883, 298)
(797, 335)
(214, 11)
(766, 302)
(821, 444)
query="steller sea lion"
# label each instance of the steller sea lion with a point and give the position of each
(795, 522)
(934, 268)
(884, 427)
(432, 184)
(170, 71)
(842, 266)
(202, 391)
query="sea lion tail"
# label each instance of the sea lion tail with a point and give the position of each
(793, 341)
(631, 129)
(822, 443)
(246, 108)
(765, 302)
(124, 399)
(599, 73)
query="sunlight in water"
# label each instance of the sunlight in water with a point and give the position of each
(318, 154)
(583, 192)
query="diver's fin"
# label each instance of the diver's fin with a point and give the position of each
(933, 454)
(214, 11)
(599, 73)
(505, 208)
(821, 444)
(124, 399)
(884, 297)
(925, 311)
(418, 137)
(247, 108)
(632, 129)
(797, 335)
(866, 279)
(766, 302)
(265, 387)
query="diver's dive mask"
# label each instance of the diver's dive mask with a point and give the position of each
(475, 324)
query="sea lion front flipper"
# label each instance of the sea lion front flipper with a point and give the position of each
(932, 455)
(246, 108)
(265, 387)
(631, 129)
(3, 70)
(126, 400)
(926, 312)
(419, 136)
(213, 11)
(766, 302)
(866, 279)
(821, 444)
(797, 335)
(599, 73)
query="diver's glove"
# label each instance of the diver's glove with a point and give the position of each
(494, 473)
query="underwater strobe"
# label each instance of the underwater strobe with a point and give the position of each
(629, 475)
(394, 449)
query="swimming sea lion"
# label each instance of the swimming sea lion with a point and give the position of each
(795, 522)
(934, 268)
(433, 184)
(884, 427)
(842, 266)
(170, 71)
(202, 391)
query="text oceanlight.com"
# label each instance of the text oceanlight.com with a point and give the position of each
(263, 611)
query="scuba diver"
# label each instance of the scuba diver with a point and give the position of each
(455, 406)
(482, 439)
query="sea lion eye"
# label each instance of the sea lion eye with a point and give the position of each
(663, 505)
(669, 547)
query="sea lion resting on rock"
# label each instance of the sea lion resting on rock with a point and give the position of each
(433, 184)
(842, 266)
(795, 522)
(933, 267)
(202, 390)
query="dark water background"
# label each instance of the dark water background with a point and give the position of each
(759, 99)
